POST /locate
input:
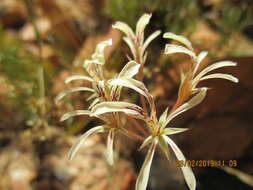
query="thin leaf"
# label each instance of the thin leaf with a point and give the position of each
(123, 27)
(178, 38)
(172, 131)
(129, 70)
(74, 113)
(76, 146)
(146, 142)
(142, 180)
(127, 108)
(171, 48)
(221, 76)
(70, 90)
(77, 77)
(188, 105)
(187, 171)
(109, 152)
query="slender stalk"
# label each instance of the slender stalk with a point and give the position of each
(137, 126)
(41, 79)
(133, 135)
(140, 76)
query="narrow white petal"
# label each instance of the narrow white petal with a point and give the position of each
(129, 70)
(213, 67)
(131, 83)
(200, 58)
(178, 38)
(109, 152)
(94, 95)
(172, 131)
(102, 45)
(98, 56)
(146, 142)
(142, 180)
(76, 146)
(123, 27)
(187, 171)
(131, 46)
(93, 103)
(171, 48)
(127, 108)
(78, 77)
(74, 113)
(221, 76)
(70, 90)
(149, 40)
(195, 100)
(141, 25)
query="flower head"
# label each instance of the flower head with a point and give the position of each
(108, 106)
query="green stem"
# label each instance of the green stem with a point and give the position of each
(41, 78)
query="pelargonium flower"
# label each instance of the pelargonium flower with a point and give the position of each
(109, 107)
(158, 134)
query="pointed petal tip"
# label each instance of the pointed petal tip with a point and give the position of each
(63, 118)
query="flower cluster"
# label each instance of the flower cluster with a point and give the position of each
(108, 106)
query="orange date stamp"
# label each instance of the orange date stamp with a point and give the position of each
(206, 163)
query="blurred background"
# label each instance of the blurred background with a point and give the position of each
(44, 41)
